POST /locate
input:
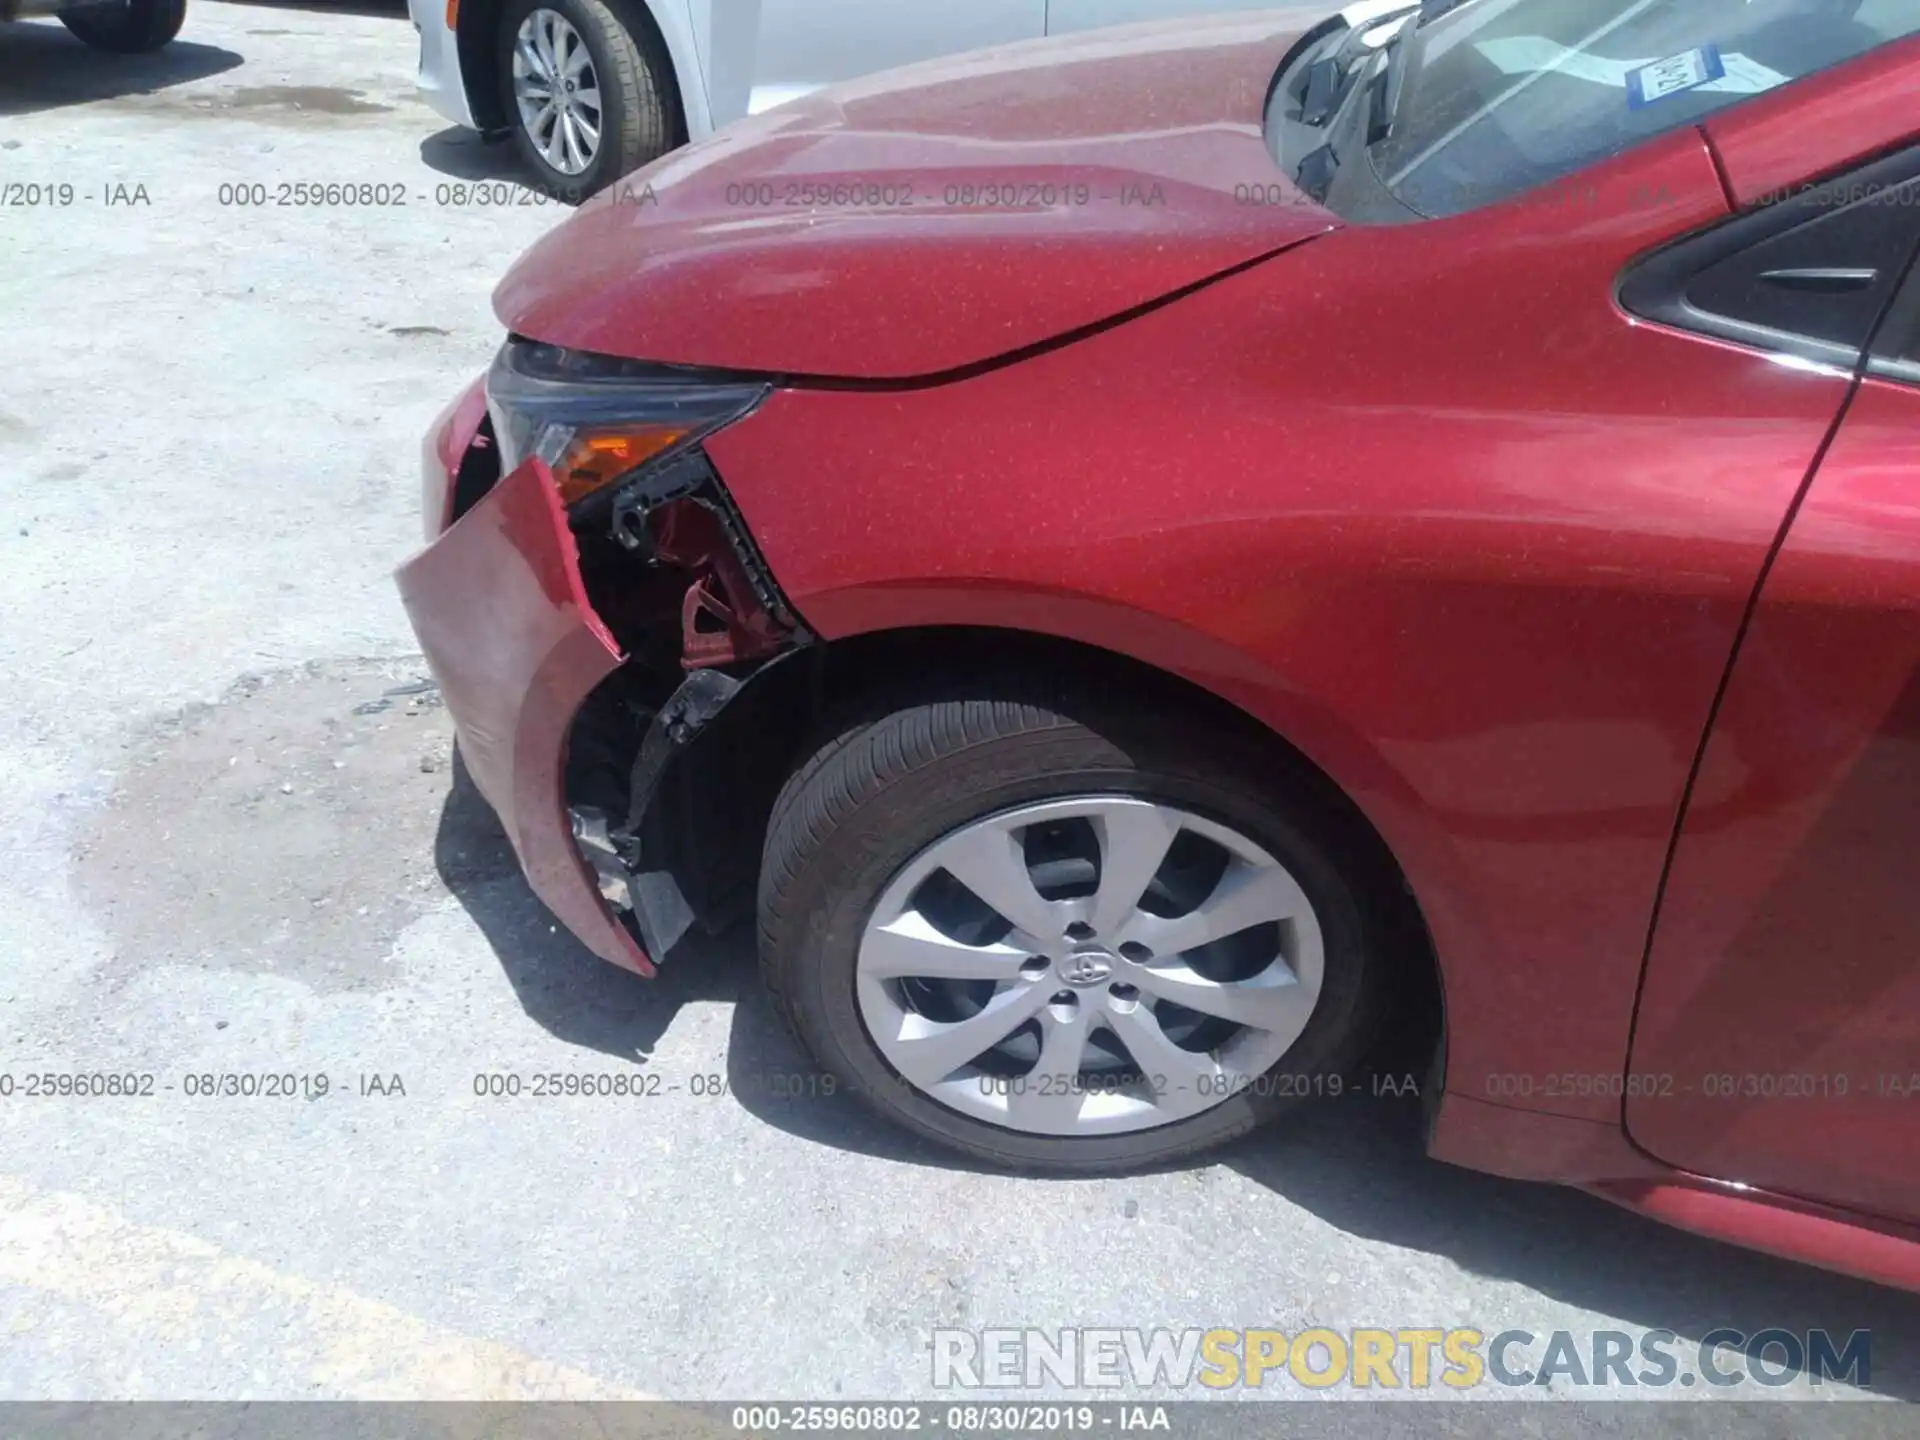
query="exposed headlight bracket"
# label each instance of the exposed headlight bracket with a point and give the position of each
(677, 479)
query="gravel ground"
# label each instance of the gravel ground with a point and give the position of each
(233, 844)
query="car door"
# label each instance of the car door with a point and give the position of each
(759, 53)
(1777, 1039)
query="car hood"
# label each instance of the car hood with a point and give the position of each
(937, 216)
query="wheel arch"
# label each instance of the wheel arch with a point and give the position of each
(475, 34)
(478, 34)
(873, 659)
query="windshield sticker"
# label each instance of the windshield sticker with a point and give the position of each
(1736, 74)
(1686, 71)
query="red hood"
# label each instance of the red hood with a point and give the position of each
(930, 217)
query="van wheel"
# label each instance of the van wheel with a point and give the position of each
(586, 103)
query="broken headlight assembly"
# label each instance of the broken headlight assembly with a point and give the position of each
(598, 421)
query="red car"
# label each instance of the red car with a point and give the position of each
(1142, 553)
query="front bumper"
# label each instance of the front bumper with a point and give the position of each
(502, 616)
(439, 78)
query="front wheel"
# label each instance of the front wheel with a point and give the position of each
(129, 27)
(1032, 925)
(587, 103)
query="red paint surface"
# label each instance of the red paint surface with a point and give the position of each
(1492, 600)
(1818, 125)
(1420, 498)
(1784, 970)
(1889, 1254)
(684, 260)
(441, 451)
(500, 612)
(1531, 1145)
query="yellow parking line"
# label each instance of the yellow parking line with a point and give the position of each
(200, 1297)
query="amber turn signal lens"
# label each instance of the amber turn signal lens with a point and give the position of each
(594, 461)
(453, 14)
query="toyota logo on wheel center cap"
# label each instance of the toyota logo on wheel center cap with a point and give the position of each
(1087, 967)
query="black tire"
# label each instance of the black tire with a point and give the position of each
(635, 83)
(131, 27)
(901, 770)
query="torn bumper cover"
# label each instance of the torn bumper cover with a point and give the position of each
(587, 653)
(503, 618)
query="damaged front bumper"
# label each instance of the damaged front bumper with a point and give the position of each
(578, 669)
(503, 619)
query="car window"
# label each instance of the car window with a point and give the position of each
(1896, 345)
(1503, 95)
(1809, 276)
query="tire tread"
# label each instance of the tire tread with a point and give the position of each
(866, 747)
(879, 738)
(136, 31)
(645, 129)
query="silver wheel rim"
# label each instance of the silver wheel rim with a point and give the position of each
(1159, 970)
(557, 92)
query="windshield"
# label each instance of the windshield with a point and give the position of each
(1502, 95)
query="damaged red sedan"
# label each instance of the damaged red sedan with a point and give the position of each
(1138, 556)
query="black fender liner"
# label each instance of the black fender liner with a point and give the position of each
(698, 787)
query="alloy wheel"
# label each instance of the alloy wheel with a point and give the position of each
(557, 91)
(1088, 966)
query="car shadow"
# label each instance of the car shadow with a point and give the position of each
(462, 154)
(579, 998)
(1356, 1164)
(1359, 1164)
(562, 986)
(390, 9)
(42, 67)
